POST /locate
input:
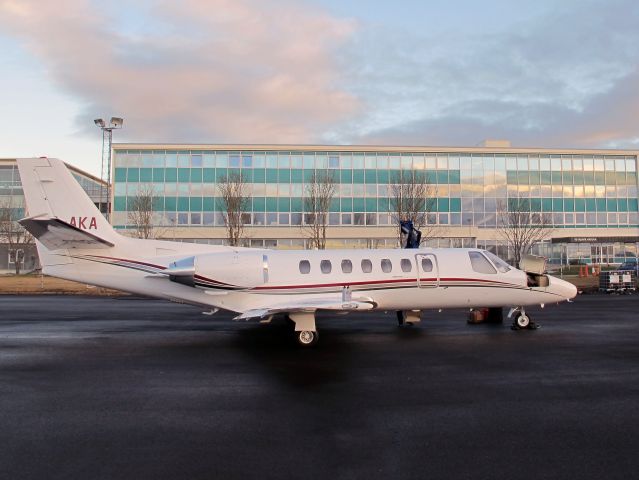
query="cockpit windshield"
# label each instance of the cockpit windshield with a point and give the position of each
(502, 266)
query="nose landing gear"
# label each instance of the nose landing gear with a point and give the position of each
(521, 320)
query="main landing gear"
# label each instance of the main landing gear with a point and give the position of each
(408, 317)
(521, 320)
(307, 338)
(305, 329)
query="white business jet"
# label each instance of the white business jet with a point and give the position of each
(76, 242)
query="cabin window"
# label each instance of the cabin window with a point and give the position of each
(305, 266)
(387, 266)
(502, 266)
(347, 266)
(480, 263)
(406, 265)
(367, 266)
(325, 266)
(427, 265)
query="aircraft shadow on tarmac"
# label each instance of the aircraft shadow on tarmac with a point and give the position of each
(274, 347)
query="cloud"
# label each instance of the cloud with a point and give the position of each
(609, 120)
(283, 71)
(565, 78)
(204, 71)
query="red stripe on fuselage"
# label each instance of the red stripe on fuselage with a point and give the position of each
(377, 282)
(160, 267)
(325, 285)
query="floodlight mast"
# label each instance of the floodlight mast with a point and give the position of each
(107, 139)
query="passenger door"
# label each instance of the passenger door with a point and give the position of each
(427, 270)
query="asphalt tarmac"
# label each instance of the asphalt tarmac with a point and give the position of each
(133, 388)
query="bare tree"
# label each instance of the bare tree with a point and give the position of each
(140, 214)
(412, 198)
(13, 234)
(520, 227)
(318, 194)
(235, 202)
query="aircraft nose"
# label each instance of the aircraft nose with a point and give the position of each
(562, 288)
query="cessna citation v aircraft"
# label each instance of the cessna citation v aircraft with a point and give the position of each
(76, 242)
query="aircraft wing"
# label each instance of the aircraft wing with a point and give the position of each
(308, 306)
(54, 234)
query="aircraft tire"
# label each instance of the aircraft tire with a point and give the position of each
(307, 338)
(522, 320)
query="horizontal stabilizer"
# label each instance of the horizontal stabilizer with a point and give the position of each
(56, 234)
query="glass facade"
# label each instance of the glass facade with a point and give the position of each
(576, 191)
(95, 189)
(12, 196)
(11, 188)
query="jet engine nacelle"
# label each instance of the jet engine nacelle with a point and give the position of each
(224, 270)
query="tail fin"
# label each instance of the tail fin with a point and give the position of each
(61, 214)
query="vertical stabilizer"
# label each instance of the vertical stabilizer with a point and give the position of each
(51, 193)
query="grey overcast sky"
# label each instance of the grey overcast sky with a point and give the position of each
(540, 73)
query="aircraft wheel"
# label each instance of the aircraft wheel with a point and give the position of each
(307, 338)
(522, 320)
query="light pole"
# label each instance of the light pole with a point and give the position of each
(107, 139)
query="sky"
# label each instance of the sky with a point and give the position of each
(543, 73)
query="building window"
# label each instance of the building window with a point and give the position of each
(325, 266)
(296, 218)
(406, 265)
(347, 266)
(305, 266)
(387, 266)
(271, 218)
(480, 263)
(367, 266)
(259, 218)
(208, 218)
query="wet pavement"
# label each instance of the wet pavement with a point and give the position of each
(135, 388)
